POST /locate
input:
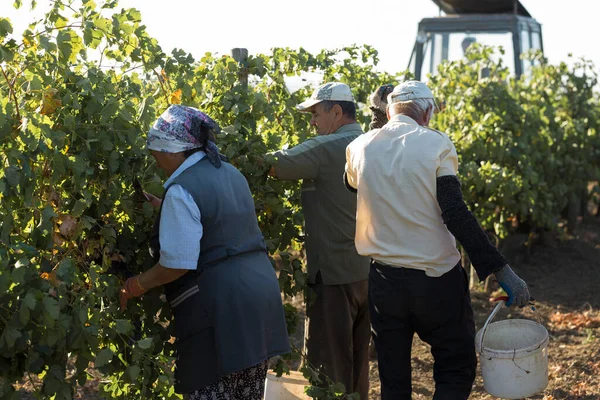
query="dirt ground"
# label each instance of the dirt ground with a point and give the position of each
(564, 278)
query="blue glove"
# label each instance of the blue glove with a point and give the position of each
(515, 287)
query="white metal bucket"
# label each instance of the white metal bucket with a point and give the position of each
(286, 387)
(513, 356)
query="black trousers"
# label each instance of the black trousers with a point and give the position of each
(405, 301)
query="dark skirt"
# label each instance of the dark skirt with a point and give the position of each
(248, 384)
(234, 321)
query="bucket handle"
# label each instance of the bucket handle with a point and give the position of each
(490, 318)
(501, 302)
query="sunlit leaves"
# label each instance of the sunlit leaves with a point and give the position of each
(176, 96)
(89, 4)
(50, 102)
(5, 27)
(69, 44)
(92, 34)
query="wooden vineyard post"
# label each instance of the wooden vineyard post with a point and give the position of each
(241, 56)
(573, 211)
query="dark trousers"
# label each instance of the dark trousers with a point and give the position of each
(337, 334)
(406, 301)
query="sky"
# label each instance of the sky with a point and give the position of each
(217, 26)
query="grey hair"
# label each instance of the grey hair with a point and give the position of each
(416, 107)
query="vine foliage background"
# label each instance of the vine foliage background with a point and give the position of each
(79, 90)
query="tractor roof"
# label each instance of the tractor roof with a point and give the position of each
(482, 7)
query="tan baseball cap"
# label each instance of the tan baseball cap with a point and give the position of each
(410, 90)
(334, 91)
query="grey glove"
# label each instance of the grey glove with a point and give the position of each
(515, 287)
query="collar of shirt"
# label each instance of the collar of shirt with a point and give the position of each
(403, 118)
(191, 160)
(348, 128)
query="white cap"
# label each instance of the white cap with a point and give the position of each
(334, 91)
(410, 90)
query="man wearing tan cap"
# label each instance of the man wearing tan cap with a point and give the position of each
(410, 210)
(337, 327)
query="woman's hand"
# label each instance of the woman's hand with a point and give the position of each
(155, 201)
(132, 288)
(154, 277)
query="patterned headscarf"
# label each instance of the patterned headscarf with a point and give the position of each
(182, 128)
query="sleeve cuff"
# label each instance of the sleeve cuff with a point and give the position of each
(445, 172)
(171, 262)
(347, 184)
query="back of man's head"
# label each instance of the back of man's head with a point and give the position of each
(413, 99)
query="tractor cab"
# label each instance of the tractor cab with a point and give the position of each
(503, 23)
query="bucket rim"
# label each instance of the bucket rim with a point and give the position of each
(497, 353)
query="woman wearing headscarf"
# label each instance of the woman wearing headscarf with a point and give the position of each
(378, 106)
(212, 261)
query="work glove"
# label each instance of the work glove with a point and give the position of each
(515, 287)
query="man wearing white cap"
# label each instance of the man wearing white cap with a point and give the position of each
(337, 331)
(410, 210)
